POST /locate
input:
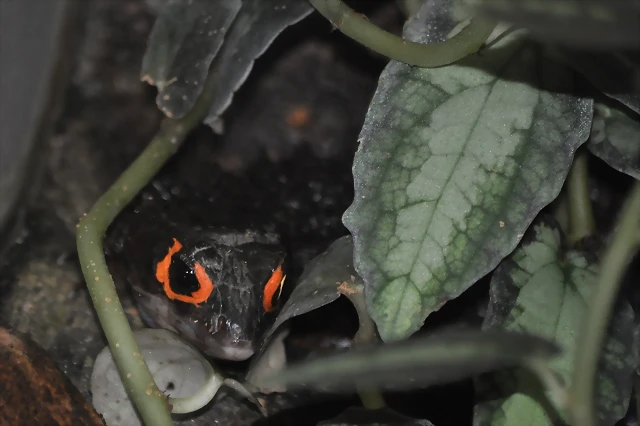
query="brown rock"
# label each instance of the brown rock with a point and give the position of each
(33, 391)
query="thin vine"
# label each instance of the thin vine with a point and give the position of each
(356, 26)
(150, 402)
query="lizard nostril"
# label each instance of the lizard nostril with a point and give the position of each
(222, 324)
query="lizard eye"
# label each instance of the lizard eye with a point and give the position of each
(188, 283)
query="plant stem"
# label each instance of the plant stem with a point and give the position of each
(431, 55)
(582, 224)
(367, 332)
(622, 247)
(371, 398)
(560, 209)
(148, 399)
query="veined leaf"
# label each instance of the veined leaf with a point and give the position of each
(416, 363)
(453, 166)
(543, 291)
(185, 38)
(615, 137)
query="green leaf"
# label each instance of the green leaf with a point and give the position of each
(357, 416)
(256, 26)
(615, 137)
(543, 291)
(587, 24)
(185, 38)
(416, 363)
(318, 285)
(453, 166)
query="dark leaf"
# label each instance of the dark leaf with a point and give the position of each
(318, 285)
(616, 74)
(587, 24)
(185, 38)
(256, 26)
(356, 416)
(615, 137)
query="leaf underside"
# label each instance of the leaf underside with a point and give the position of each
(258, 23)
(445, 357)
(185, 38)
(539, 289)
(616, 73)
(453, 166)
(189, 36)
(318, 285)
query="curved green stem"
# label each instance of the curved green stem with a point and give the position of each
(431, 55)
(148, 399)
(582, 224)
(624, 244)
(367, 332)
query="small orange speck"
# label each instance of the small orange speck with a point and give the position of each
(299, 116)
(344, 288)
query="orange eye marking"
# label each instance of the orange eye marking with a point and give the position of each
(162, 270)
(162, 275)
(276, 281)
(206, 286)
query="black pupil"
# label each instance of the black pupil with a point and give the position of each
(182, 278)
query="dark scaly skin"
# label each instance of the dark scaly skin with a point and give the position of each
(229, 317)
